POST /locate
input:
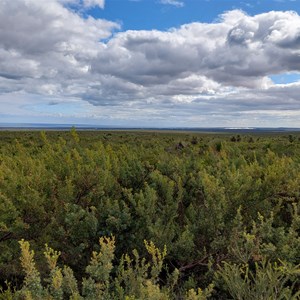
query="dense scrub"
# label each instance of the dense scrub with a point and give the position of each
(179, 215)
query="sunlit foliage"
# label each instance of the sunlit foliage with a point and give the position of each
(148, 215)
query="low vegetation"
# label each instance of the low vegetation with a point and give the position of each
(147, 215)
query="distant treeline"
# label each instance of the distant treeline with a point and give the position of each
(149, 215)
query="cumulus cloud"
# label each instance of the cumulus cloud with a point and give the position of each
(193, 71)
(44, 43)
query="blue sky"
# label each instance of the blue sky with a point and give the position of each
(152, 14)
(164, 63)
(285, 78)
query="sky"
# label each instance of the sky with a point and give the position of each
(150, 63)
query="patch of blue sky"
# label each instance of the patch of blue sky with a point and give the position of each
(152, 14)
(285, 78)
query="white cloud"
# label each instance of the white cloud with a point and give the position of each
(191, 72)
(93, 3)
(173, 2)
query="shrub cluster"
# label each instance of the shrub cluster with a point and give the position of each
(222, 218)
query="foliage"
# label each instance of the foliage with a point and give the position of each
(266, 281)
(135, 279)
(222, 205)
